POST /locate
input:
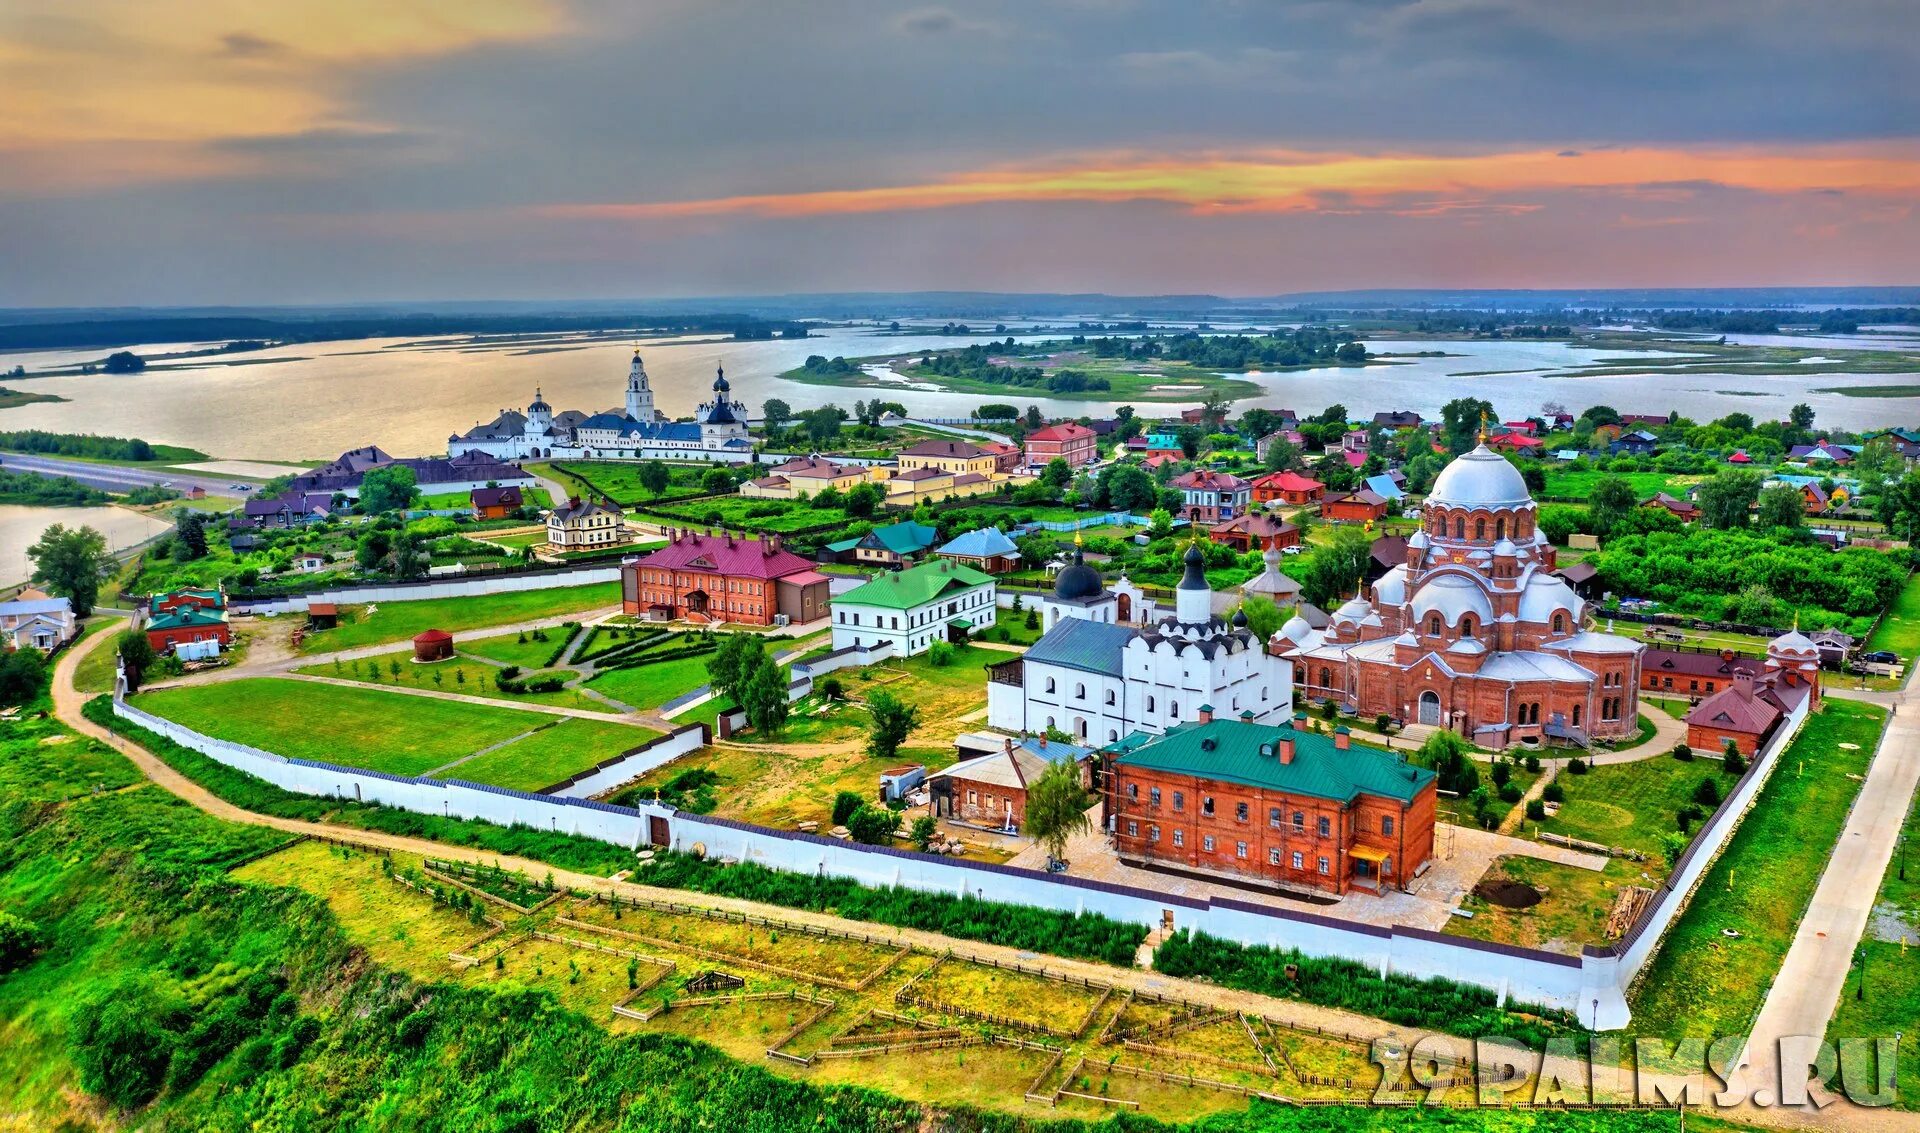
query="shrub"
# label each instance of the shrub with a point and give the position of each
(18, 938)
(830, 688)
(872, 825)
(924, 829)
(1536, 810)
(1733, 763)
(1683, 753)
(844, 804)
(1501, 774)
(1576, 766)
(1533, 763)
(940, 654)
(1554, 793)
(1672, 845)
(1510, 793)
(1707, 794)
(1382, 722)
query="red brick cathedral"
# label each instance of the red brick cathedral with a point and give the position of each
(1473, 632)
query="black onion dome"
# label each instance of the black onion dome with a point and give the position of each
(1195, 578)
(1077, 580)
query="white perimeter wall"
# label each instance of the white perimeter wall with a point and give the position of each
(1593, 985)
(447, 588)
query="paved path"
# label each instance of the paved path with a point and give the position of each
(120, 477)
(464, 698)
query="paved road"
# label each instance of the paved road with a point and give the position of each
(115, 477)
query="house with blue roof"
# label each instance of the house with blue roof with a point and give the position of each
(986, 549)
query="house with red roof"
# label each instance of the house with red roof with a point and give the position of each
(1212, 496)
(1515, 442)
(1686, 511)
(1287, 487)
(1255, 529)
(1074, 443)
(1363, 506)
(722, 577)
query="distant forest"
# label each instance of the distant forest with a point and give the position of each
(128, 331)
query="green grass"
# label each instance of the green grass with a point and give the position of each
(371, 728)
(1891, 1000)
(511, 649)
(518, 540)
(400, 621)
(535, 497)
(740, 512)
(1568, 484)
(650, 686)
(1630, 804)
(461, 675)
(1703, 982)
(551, 754)
(620, 480)
(1899, 630)
(95, 672)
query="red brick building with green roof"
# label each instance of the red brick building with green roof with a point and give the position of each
(1269, 807)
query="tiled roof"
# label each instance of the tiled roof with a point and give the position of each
(1255, 524)
(1288, 481)
(1737, 708)
(747, 558)
(497, 497)
(915, 587)
(1064, 431)
(1248, 753)
(955, 449)
(1207, 479)
(1076, 643)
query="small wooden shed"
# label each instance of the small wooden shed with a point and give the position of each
(433, 645)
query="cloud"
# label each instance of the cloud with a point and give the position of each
(941, 22)
(245, 45)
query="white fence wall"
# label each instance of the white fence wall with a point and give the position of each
(1593, 986)
(630, 765)
(446, 588)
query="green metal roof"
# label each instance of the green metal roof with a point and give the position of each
(186, 617)
(909, 589)
(1231, 751)
(905, 538)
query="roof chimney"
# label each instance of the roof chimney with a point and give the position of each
(1285, 747)
(1342, 738)
(1206, 713)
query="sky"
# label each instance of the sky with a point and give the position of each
(178, 152)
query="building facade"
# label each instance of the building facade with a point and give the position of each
(1269, 806)
(635, 431)
(587, 525)
(1211, 497)
(1473, 632)
(913, 609)
(949, 456)
(1074, 443)
(1287, 487)
(708, 579)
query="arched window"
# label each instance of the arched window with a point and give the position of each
(1466, 626)
(1109, 697)
(1050, 685)
(1326, 678)
(1434, 625)
(1500, 528)
(1149, 704)
(1576, 715)
(1480, 530)
(1559, 623)
(1459, 527)
(1080, 692)
(1173, 709)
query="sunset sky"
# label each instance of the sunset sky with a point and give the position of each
(217, 151)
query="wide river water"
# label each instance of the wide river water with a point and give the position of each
(21, 526)
(313, 401)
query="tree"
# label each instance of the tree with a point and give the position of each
(371, 548)
(121, 1039)
(124, 362)
(654, 477)
(823, 424)
(733, 663)
(997, 411)
(388, 488)
(1057, 474)
(1127, 487)
(844, 804)
(1332, 570)
(408, 562)
(892, 722)
(18, 938)
(1213, 409)
(1610, 502)
(136, 656)
(69, 562)
(1781, 506)
(1256, 423)
(872, 825)
(923, 831)
(23, 676)
(1350, 354)
(1727, 497)
(716, 481)
(1801, 417)
(764, 697)
(775, 412)
(1189, 437)
(1460, 421)
(1263, 616)
(189, 534)
(862, 500)
(1057, 807)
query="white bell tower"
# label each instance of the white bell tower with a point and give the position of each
(639, 393)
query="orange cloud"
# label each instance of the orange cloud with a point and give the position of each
(1298, 181)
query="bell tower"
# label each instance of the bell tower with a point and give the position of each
(639, 392)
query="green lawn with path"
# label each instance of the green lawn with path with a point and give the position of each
(96, 670)
(521, 649)
(1631, 805)
(462, 675)
(650, 686)
(1889, 955)
(358, 727)
(744, 512)
(400, 621)
(1900, 629)
(619, 480)
(1705, 982)
(551, 754)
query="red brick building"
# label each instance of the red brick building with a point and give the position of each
(1363, 506)
(1255, 529)
(1288, 487)
(1685, 672)
(1753, 704)
(1212, 496)
(1271, 807)
(1074, 443)
(723, 578)
(991, 790)
(187, 623)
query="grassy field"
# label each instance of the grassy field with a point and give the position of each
(620, 480)
(1630, 805)
(95, 672)
(740, 512)
(650, 686)
(400, 621)
(381, 731)
(535, 497)
(522, 649)
(1703, 982)
(461, 675)
(1567, 484)
(1460, 812)
(1900, 629)
(1573, 912)
(551, 754)
(943, 695)
(1890, 956)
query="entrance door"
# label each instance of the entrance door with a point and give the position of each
(656, 830)
(1123, 608)
(1429, 707)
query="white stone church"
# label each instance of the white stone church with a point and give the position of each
(635, 431)
(1097, 678)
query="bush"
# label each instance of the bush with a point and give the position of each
(872, 825)
(1533, 763)
(844, 804)
(1510, 793)
(830, 688)
(1707, 794)
(122, 1039)
(1382, 722)
(1683, 753)
(924, 829)
(940, 654)
(1576, 766)
(1733, 763)
(1537, 810)
(1501, 773)
(1554, 793)
(18, 938)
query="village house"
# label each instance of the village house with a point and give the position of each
(1255, 529)
(905, 489)
(1075, 444)
(893, 546)
(191, 624)
(948, 456)
(990, 791)
(288, 509)
(1210, 496)
(1691, 673)
(1006, 457)
(587, 525)
(1906, 442)
(987, 549)
(35, 620)
(203, 598)
(1287, 487)
(1637, 443)
(1686, 511)
(1825, 452)
(912, 609)
(1397, 419)
(1287, 434)
(723, 578)
(434, 476)
(1363, 506)
(1151, 445)
(1516, 443)
(496, 503)
(1651, 420)
(1269, 806)
(804, 475)
(1754, 702)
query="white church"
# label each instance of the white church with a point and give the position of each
(1097, 678)
(636, 431)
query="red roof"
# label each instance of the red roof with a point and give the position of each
(1209, 479)
(1354, 459)
(727, 555)
(1064, 431)
(1256, 524)
(1288, 481)
(1517, 440)
(432, 635)
(1736, 708)
(1739, 458)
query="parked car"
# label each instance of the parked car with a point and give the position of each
(1881, 657)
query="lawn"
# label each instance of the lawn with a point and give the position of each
(943, 695)
(95, 672)
(1890, 952)
(1630, 805)
(620, 480)
(461, 675)
(1573, 912)
(1573, 484)
(1900, 629)
(399, 927)
(516, 540)
(447, 501)
(523, 649)
(1703, 982)
(1460, 812)
(650, 686)
(743, 512)
(772, 787)
(550, 755)
(371, 728)
(399, 621)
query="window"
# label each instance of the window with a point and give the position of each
(1240, 812)
(1500, 528)
(1153, 795)
(1109, 698)
(1459, 527)
(1576, 715)
(1133, 829)
(1299, 822)
(973, 797)
(1080, 692)
(1323, 827)
(1559, 623)
(1153, 833)
(1179, 801)
(1433, 626)
(1324, 870)
(1149, 704)
(1133, 792)
(1299, 860)
(1050, 685)
(1386, 825)
(1240, 850)
(1273, 817)
(1206, 805)
(1480, 530)
(1466, 626)
(1179, 837)
(1206, 843)
(1173, 709)
(1273, 857)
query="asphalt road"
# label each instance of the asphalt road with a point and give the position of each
(115, 477)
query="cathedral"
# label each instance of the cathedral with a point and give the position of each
(635, 431)
(1473, 632)
(1098, 678)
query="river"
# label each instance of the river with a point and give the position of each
(312, 401)
(20, 527)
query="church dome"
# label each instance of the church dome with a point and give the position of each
(719, 378)
(1506, 547)
(1195, 576)
(1418, 540)
(1480, 479)
(539, 404)
(1077, 580)
(1355, 609)
(1793, 641)
(1452, 596)
(1543, 596)
(1391, 590)
(1296, 629)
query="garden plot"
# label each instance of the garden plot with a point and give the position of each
(790, 952)
(398, 926)
(1005, 997)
